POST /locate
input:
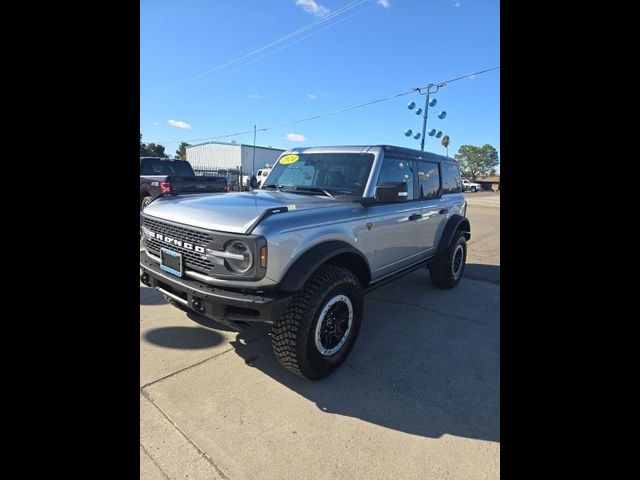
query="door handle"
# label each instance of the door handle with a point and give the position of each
(415, 216)
(444, 211)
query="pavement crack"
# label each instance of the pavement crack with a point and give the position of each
(154, 462)
(191, 442)
(397, 302)
(196, 364)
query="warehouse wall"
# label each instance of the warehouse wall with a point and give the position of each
(215, 155)
(264, 156)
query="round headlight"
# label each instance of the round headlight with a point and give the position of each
(242, 259)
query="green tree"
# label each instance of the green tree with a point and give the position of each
(445, 143)
(181, 153)
(151, 149)
(477, 161)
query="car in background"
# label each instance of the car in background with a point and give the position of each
(261, 176)
(160, 176)
(470, 186)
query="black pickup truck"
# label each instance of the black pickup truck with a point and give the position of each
(164, 175)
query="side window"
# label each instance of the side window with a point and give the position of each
(397, 170)
(451, 182)
(429, 179)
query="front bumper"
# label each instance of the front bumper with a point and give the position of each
(226, 306)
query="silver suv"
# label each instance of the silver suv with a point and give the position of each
(330, 225)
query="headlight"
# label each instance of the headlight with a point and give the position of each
(240, 258)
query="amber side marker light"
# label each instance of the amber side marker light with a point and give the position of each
(263, 256)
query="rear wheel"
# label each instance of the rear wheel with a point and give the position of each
(316, 333)
(448, 267)
(474, 189)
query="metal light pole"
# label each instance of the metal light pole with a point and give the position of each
(428, 102)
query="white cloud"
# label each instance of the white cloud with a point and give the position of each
(178, 124)
(256, 96)
(311, 6)
(456, 4)
(312, 96)
(384, 3)
(155, 124)
(295, 137)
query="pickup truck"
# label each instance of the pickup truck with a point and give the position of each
(166, 176)
(467, 185)
(330, 225)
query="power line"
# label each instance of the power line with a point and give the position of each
(335, 112)
(199, 77)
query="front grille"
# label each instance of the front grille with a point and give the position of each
(191, 259)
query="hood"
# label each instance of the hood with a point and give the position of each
(230, 212)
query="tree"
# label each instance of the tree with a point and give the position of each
(445, 143)
(151, 149)
(477, 161)
(181, 153)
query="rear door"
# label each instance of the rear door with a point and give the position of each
(433, 208)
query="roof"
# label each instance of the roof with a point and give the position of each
(364, 148)
(493, 178)
(236, 144)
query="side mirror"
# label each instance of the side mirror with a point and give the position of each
(391, 192)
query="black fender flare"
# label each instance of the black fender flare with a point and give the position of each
(455, 223)
(301, 269)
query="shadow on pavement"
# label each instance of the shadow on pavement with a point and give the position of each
(421, 373)
(188, 338)
(150, 296)
(485, 273)
(417, 367)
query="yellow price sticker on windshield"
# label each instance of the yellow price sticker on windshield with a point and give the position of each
(287, 159)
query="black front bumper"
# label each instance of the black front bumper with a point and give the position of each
(221, 305)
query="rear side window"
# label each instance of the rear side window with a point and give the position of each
(429, 178)
(397, 170)
(451, 182)
(156, 166)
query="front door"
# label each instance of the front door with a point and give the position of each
(396, 226)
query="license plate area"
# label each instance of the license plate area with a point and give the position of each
(171, 262)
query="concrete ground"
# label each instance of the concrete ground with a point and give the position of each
(418, 398)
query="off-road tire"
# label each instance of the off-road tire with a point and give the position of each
(442, 269)
(293, 334)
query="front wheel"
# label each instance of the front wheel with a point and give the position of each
(448, 267)
(320, 326)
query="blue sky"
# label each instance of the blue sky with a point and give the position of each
(367, 50)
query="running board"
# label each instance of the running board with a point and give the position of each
(398, 274)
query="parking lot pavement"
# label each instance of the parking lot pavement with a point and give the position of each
(418, 397)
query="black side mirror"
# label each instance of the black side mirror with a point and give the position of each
(391, 192)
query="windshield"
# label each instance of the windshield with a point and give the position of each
(337, 173)
(156, 166)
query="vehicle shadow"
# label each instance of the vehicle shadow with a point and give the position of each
(184, 338)
(427, 360)
(150, 296)
(411, 370)
(485, 273)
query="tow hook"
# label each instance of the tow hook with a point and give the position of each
(197, 304)
(144, 278)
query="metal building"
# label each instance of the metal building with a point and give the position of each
(218, 155)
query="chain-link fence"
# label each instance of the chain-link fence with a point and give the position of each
(236, 179)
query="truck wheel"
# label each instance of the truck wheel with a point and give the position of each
(474, 189)
(317, 331)
(448, 267)
(145, 202)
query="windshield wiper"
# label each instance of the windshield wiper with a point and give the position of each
(278, 188)
(313, 190)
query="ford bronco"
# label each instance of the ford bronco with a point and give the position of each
(329, 225)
